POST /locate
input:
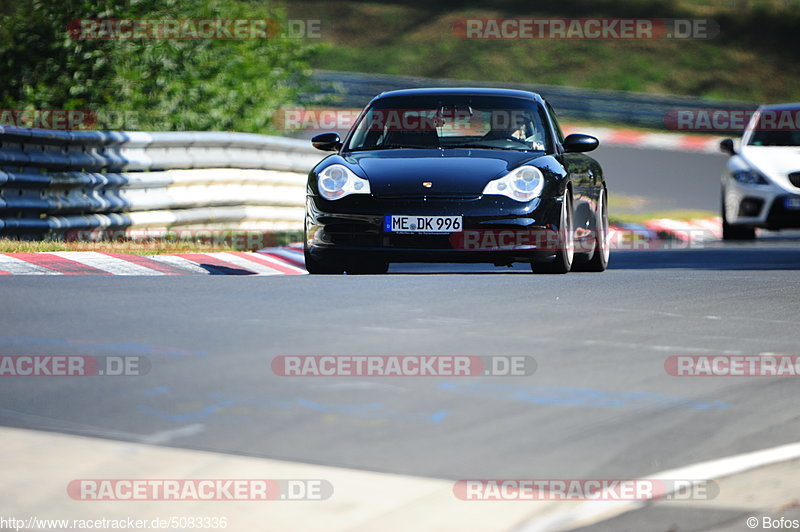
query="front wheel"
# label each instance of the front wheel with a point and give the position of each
(565, 254)
(735, 232)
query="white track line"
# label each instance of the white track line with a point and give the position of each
(113, 265)
(596, 511)
(11, 264)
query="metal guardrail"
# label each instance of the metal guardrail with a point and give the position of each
(355, 90)
(55, 181)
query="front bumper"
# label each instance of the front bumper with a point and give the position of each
(759, 206)
(496, 230)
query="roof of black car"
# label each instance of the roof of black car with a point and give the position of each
(477, 91)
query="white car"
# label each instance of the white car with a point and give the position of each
(761, 184)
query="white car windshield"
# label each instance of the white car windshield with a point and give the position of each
(775, 138)
(776, 127)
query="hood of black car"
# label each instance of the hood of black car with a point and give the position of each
(435, 172)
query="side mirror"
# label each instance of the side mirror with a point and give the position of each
(726, 146)
(578, 142)
(327, 141)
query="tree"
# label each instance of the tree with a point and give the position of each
(154, 83)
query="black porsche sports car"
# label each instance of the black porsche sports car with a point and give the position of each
(456, 175)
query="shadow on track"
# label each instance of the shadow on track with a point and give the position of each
(767, 254)
(728, 257)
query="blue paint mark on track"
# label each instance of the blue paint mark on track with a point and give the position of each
(218, 402)
(585, 397)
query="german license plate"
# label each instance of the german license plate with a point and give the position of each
(422, 224)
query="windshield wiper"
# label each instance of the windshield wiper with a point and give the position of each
(392, 147)
(485, 147)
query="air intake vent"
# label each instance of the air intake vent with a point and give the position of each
(794, 177)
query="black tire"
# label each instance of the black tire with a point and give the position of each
(599, 260)
(565, 254)
(735, 232)
(318, 267)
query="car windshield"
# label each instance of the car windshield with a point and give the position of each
(777, 127)
(452, 121)
(775, 138)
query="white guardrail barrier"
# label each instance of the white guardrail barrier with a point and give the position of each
(54, 182)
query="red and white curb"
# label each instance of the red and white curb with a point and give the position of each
(292, 254)
(101, 263)
(287, 260)
(642, 139)
(695, 230)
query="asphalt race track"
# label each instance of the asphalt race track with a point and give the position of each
(600, 403)
(668, 179)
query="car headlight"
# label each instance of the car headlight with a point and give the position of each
(338, 181)
(522, 184)
(750, 177)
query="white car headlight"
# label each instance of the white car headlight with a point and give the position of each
(337, 181)
(522, 184)
(749, 177)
